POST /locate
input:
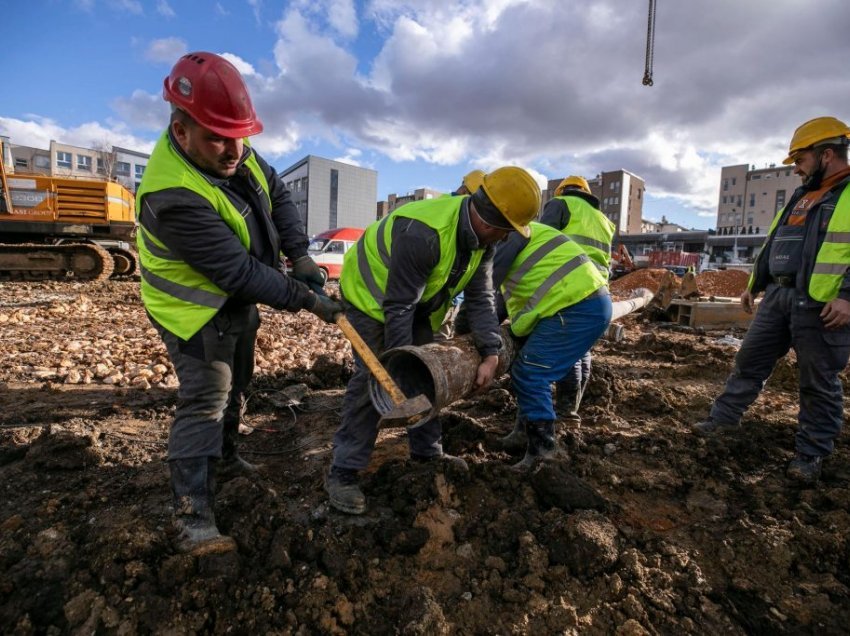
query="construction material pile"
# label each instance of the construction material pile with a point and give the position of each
(724, 282)
(649, 278)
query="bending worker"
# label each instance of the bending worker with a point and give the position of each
(575, 212)
(213, 219)
(559, 305)
(397, 284)
(804, 270)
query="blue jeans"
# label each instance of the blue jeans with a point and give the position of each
(551, 351)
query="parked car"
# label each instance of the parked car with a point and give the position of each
(328, 248)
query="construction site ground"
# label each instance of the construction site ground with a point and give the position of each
(641, 527)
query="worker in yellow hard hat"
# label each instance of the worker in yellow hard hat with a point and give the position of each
(398, 282)
(804, 271)
(472, 180)
(574, 211)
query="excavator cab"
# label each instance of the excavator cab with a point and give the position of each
(621, 262)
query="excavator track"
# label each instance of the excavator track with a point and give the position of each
(67, 261)
(125, 263)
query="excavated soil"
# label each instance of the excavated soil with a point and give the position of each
(640, 527)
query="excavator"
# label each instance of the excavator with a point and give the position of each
(621, 262)
(56, 228)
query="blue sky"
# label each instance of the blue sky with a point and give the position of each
(424, 90)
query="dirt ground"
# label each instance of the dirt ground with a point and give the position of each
(641, 528)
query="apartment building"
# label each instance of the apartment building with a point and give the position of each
(620, 195)
(330, 194)
(395, 201)
(748, 199)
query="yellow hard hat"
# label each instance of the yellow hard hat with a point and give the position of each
(579, 182)
(815, 132)
(473, 180)
(515, 194)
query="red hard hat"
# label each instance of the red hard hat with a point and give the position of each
(211, 90)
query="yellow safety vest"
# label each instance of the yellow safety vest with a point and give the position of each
(591, 229)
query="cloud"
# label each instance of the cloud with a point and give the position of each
(166, 50)
(220, 10)
(241, 65)
(256, 7)
(127, 6)
(146, 111)
(164, 9)
(38, 132)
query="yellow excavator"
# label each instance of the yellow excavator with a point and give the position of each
(57, 228)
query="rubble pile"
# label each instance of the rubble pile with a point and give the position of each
(66, 333)
(648, 278)
(723, 282)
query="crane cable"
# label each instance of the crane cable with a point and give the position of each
(650, 44)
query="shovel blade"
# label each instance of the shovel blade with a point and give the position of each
(407, 413)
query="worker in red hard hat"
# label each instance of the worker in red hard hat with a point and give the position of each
(803, 268)
(213, 219)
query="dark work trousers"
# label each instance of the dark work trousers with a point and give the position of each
(575, 382)
(781, 322)
(354, 440)
(214, 367)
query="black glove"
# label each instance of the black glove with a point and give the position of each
(306, 270)
(325, 308)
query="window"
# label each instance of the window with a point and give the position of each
(21, 163)
(42, 161)
(734, 180)
(140, 170)
(334, 197)
(752, 200)
(336, 247)
(63, 159)
(740, 197)
(639, 191)
(100, 167)
(84, 163)
(756, 177)
(723, 200)
(780, 200)
(725, 184)
(122, 168)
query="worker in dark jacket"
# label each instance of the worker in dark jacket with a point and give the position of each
(804, 271)
(575, 212)
(398, 282)
(213, 220)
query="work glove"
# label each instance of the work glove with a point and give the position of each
(306, 270)
(325, 307)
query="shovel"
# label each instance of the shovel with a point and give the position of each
(406, 411)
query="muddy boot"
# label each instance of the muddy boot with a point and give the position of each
(541, 444)
(567, 401)
(193, 487)
(344, 492)
(709, 427)
(805, 468)
(516, 440)
(450, 461)
(232, 465)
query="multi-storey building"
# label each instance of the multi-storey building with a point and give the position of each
(330, 194)
(395, 201)
(747, 201)
(620, 195)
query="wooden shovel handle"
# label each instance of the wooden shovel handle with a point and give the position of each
(370, 359)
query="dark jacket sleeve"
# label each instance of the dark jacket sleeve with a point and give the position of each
(415, 253)
(290, 227)
(479, 301)
(555, 214)
(194, 232)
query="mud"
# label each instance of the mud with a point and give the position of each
(640, 527)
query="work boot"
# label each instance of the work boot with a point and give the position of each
(452, 461)
(516, 440)
(805, 468)
(567, 401)
(709, 427)
(193, 488)
(232, 465)
(344, 492)
(541, 444)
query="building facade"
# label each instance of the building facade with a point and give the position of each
(748, 199)
(330, 194)
(620, 195)
(395, 201)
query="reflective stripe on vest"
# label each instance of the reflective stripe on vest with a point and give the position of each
(179, 297)
(833, 257)
(365, 269)
(550, 273)
(591, 229)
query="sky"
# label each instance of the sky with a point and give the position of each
(425, 90)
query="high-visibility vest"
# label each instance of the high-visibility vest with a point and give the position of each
(366, 266)
(591, 229)
(833, 257)
(179, 297)
(550, 273)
